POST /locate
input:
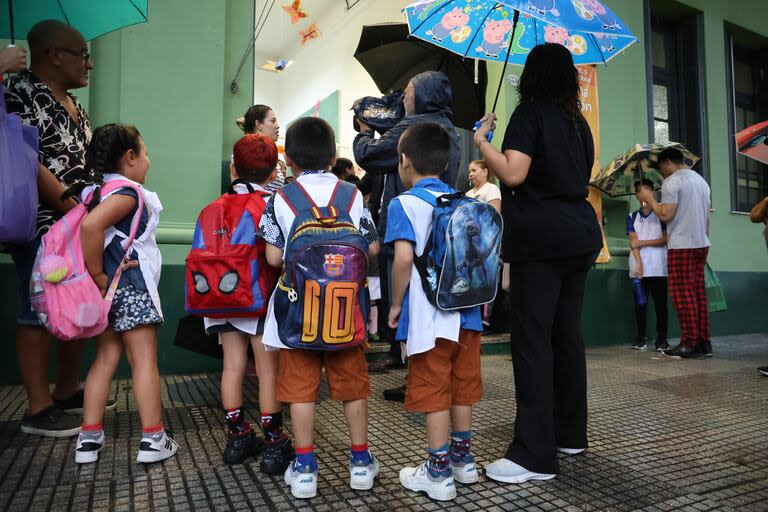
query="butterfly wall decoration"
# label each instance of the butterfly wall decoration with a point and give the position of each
(295, 11)
(312, 32)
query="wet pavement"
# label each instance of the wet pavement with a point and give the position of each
(664, 435)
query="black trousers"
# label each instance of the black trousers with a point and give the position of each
(656, 289)
(548, 359)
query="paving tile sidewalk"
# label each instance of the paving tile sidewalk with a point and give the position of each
(664, 434)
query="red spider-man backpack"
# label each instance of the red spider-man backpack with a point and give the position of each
(227, 275)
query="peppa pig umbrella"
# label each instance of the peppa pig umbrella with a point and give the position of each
(507, 30)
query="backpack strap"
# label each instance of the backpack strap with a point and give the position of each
(423, 194)
(343, 196)
(296, 197)
(239, 181)
(108, 188)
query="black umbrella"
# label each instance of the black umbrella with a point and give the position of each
(392, 59)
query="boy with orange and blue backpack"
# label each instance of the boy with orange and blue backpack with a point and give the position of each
(229, 283)
(320, 231)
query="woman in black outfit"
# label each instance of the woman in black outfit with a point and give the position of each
(551, 240)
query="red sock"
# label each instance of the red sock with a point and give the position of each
(95, 427)
(152, 430)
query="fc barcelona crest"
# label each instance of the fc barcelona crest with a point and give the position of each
(334, 265)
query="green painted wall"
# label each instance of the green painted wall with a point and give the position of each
(171, 78)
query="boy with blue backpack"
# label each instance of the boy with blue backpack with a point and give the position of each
(446, 265)
(319, 230)
(228, 283)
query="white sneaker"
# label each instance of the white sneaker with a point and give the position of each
(418, 480)
(155, 451)
(465, 470)
(361, 477)
(571, 451)
(88, 449)
(303, 484)
(504, 470)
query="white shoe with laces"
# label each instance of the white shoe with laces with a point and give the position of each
(465, 470)
(418, 479)
(151, 450)
(361, 477)
(88, 448)
(303, 483)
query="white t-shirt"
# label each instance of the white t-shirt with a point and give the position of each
(277, 221)
(426, 323)
(245, 325)
(488, 192)
(690, 192)
(654, 259)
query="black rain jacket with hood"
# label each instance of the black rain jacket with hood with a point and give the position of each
(432, 92)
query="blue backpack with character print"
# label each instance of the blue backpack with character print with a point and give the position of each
(459, 267)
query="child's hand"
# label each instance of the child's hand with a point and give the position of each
(394, 316)
(102, 281)
(636, 244)
(129, 264)
(639, 271)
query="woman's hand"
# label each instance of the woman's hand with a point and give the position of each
(13, 59)
(487, 125)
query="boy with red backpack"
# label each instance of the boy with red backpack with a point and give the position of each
(319, 229)
(229, 282)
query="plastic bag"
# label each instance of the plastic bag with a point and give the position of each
(18, 178)
(381, 114)
(715, 291)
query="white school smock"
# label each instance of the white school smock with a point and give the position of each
(150, 259)
(426, 323)
(654, 259)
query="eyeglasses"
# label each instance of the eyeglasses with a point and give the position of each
(83, 54)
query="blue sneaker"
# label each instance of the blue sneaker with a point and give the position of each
(361, 476)
(302, 480)
(464, 469)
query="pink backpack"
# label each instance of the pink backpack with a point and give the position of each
(62, 292)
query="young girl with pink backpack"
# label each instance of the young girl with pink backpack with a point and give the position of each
(121, 255)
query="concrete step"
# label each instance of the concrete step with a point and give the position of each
(492, 344)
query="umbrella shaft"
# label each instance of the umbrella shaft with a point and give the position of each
(506, 61)
(10, 21)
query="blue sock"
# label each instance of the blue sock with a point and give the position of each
(360, 455)
(438, 465)
(461, 445)
(306, 457)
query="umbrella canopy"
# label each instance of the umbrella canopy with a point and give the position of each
(92, 18)
(618, 177)
(392, 59)
(482, 29)
(752, 142)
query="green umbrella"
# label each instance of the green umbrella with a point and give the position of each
(618, 177)
(93, 18)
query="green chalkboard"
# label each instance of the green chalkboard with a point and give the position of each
(328, 109)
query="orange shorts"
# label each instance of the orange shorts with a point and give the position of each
(447, 375)
(298, 379)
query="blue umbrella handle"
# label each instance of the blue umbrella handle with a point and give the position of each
(478, 124)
